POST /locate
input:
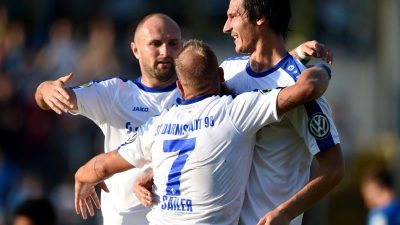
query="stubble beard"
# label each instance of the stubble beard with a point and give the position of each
(159, 75)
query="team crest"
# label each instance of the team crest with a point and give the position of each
(290, 68)
(319, 126)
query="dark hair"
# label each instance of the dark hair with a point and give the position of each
(382, 177)
(40, 211)
(276, 12)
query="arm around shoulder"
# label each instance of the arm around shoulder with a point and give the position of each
(311, 84)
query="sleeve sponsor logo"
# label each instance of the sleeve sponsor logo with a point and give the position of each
(319, 126)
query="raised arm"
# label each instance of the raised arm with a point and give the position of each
(55, 96)
(311, 84)
(309, 49)
(92, 173)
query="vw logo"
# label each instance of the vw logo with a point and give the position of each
(319, 126)
(290, 68)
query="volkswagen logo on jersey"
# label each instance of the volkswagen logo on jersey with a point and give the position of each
(319, 126)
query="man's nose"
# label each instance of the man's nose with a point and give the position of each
(164, 50)
(227, 27)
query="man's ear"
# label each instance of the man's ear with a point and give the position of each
(179, 85)
(135, 50)
(261, 21)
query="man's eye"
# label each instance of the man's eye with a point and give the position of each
(155, 43)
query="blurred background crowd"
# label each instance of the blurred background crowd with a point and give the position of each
(44, 39)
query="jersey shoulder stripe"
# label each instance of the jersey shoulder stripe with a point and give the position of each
(290, 67)
(319, 125)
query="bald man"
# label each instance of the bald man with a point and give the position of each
(201, 148)
(119, 107)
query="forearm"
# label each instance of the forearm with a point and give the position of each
(308, 196)
(328, 175)
(102, 167)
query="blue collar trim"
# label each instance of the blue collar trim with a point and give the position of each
(269, 71)
(139, 83)
(180, 101)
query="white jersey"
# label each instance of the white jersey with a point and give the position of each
(201, 152)
(119, 107)
(284, 150)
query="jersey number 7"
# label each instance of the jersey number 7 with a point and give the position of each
(184, 147)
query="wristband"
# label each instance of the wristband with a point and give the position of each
(325, 67)
(301, 54)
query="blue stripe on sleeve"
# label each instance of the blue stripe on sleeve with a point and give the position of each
(319, 126)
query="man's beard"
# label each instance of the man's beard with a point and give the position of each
(161, 76)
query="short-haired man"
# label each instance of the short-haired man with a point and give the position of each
(119, 106)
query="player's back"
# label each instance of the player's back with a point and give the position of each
(201, 152)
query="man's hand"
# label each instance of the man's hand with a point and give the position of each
(53, 95)
(274, 217)
(143, 188)
(312, 49)
(85, 193)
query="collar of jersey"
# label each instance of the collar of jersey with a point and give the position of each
(180, 101)
(139, 83)
(269, 71)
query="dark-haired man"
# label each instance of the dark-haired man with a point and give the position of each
(377, 189)
(279, 189)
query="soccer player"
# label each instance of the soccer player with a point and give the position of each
(279, 182)
(119, 106)
(377, 189)
(200, 149)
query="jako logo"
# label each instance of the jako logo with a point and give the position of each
(140, 109)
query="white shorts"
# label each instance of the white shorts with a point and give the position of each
(113, 217)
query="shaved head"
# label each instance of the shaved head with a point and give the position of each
(157, 20)
(197, 66)
(156, 43)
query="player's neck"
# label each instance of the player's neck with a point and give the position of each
(269, 52)
(189, 94)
